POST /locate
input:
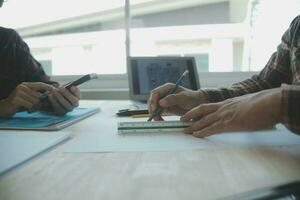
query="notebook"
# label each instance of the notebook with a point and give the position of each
(43, 121)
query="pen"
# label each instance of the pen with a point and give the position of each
(146, 115)
(128, 112)
(159, 109)
(139, 115)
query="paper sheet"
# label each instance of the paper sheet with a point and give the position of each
(16, 147)
(106, 139)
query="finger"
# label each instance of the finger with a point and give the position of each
(65, 104)
(30, 94)
(156, 117)
(58, 109)
(39, 86)
(210, 130)
(158, 93)
(72, 99)
(20, 102)
(175, 110)
(205, 121)
(172, 100)
(155, 95)
(200, 111)
(27, 90)
(27, 96)
(75, 90)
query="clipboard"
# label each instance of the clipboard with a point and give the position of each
(44, 122)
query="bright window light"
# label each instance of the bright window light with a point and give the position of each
(73, 38)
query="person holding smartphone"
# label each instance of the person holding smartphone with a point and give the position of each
(23, 80)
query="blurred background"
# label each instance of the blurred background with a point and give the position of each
(77, 37)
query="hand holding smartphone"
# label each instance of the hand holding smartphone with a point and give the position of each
(77, 82)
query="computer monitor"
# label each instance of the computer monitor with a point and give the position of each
(147, 73)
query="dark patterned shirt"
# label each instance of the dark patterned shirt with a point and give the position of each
(17, 65)
(283, 69)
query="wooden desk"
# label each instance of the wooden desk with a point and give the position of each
(205, 174)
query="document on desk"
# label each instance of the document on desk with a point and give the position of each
(17, 147)
(107, 139)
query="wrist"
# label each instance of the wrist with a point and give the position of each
(6, 109)
(276, 98)
(202, 97)
(284, 104)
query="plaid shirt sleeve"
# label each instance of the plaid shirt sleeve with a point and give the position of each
(291, 107)
(283, 68)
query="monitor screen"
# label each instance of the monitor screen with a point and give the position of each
(147, 73)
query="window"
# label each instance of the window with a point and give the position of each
(188, 28)
(72, 37)
(266, 26)
(89, 36)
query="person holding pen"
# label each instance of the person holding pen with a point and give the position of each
(22, 80)
(260, 102)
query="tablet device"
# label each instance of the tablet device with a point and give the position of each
(147, 73)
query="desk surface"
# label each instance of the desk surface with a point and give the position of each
(204, 174)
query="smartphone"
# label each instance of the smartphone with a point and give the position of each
(81, 80)
(77, 82)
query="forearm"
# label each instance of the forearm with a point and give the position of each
(252, 85)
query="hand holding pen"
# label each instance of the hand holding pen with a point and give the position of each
(172, 90)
